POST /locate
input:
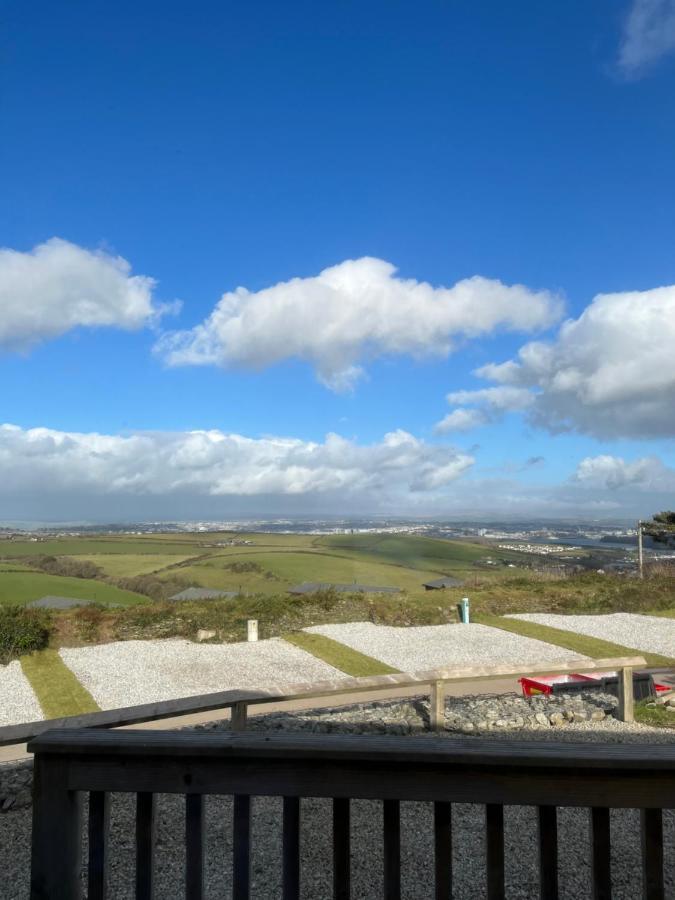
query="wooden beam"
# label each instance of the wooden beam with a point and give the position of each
(166, 709)
(626, 695)
(437, 706)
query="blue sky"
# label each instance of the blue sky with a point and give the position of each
(218, 145)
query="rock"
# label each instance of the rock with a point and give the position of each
(541, 718)
(597, 715)
(556, 719)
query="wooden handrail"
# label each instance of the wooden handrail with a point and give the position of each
(392, 769)
(240, 700)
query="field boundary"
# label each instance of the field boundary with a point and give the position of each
(570, 640)
(56, 687)
(339, 655)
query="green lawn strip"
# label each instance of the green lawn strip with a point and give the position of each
(578, 643)
(57, 689)
(338, 655)
(657, 716)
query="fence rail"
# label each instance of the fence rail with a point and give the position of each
(340, 767)
(239, 701)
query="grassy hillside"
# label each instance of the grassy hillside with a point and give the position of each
(22, 587)
(274, 570)
(125, 565)
(413, 552)
(86, 546)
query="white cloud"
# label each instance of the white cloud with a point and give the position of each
(483, 406)
(649, 35)
(461, 420)
(613, 472)
(212, 463)
(352, 312)
(610, 373)
(59, 286)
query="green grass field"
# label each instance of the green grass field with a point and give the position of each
(87, 546)
(294, 566)
(124, 565)
(22, 587)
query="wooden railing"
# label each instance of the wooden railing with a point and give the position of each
(341, 767)
(239, 701)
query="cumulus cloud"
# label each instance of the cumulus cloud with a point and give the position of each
(480, 407)
(648, 36)
(216, 464)
(610, 373)
(613, 472)
(350, 313)
(59, 286)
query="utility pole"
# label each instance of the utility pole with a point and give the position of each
(640, 557)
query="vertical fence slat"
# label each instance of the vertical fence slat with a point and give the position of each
(600, 853)
(652, 854)
(341, 849)
(443, 850)
(291, 849)
(57, 830)
(98, 830)
(194, 847)
(392, 849)
(145, 845)
(241, 847)
(548, 852)
(494, 834)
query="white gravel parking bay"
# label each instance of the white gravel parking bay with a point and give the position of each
(127, 673)
(652, 634)
(431, 646)
(18, 703)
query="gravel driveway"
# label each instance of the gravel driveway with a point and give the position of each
(432, 646)
(651, 634)
(126, 673)
(18, 703)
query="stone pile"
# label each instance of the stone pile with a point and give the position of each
(463, 715)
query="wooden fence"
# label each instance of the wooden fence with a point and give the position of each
(341, 767)
(239, 701)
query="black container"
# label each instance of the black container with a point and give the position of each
(643, 685)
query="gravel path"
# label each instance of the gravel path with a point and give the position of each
(652, 634)
(126, 673)
(18, 703)
(431, 646)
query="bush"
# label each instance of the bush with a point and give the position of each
(22, 631)
(65, 566)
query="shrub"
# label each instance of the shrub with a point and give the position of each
(22, 631)
(70, 568)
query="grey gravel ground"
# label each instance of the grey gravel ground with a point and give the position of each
(125, 673)
(18, 703)
(431, 646)
(468, 852)
(652, 634)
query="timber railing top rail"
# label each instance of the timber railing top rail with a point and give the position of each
(166, 709)
(447, 751)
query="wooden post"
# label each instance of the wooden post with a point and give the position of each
(437, 706)
(238, 716)
(57, 832)
(641, 570)
(626, 699)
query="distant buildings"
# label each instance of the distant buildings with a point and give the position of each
(53, 602)
(441, 583)
(197, 593)
(311, 587)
